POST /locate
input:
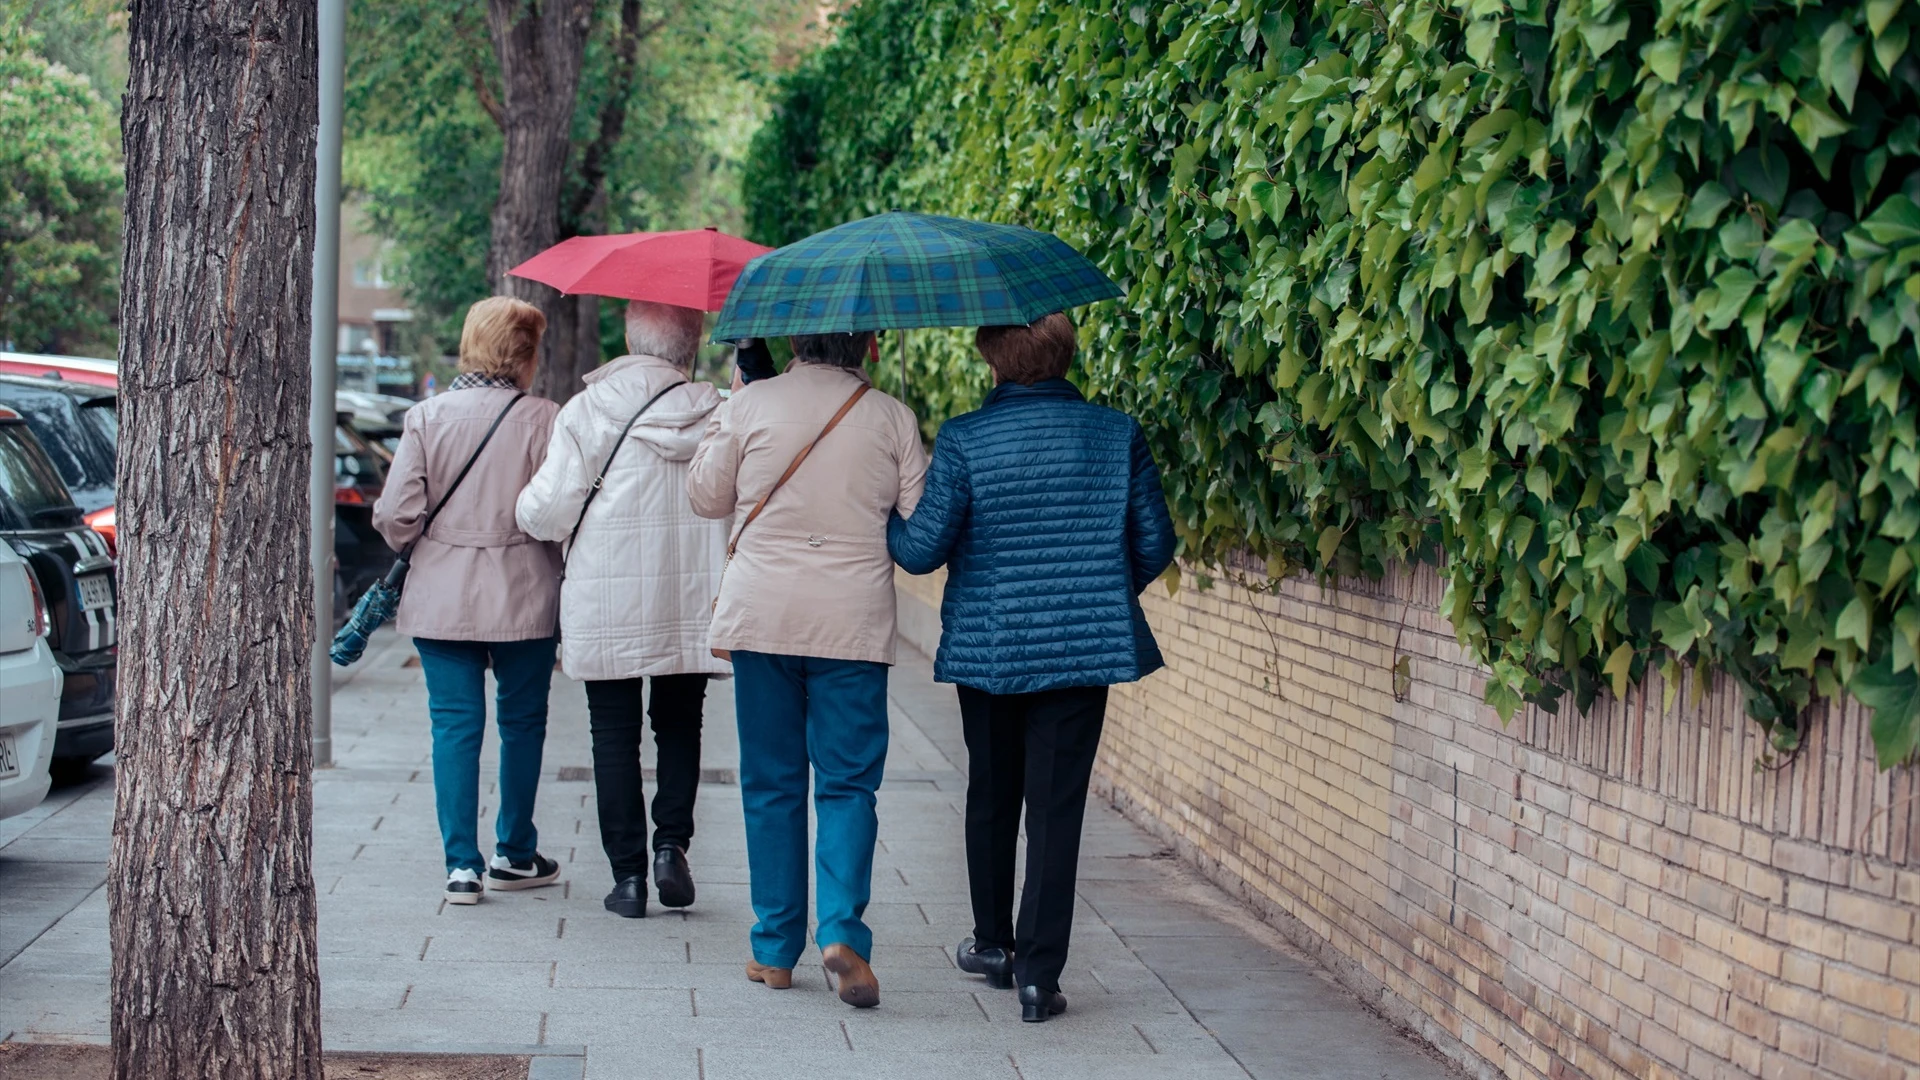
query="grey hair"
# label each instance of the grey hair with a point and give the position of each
(667, 331)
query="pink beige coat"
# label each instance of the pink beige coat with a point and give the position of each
(476, 576)
(811, 575)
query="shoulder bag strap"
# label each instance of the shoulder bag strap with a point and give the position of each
(594, 491)
(802, 456)
(464, 470)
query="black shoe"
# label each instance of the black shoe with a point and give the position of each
(504, 873)
(993, 961)
(629, 897)
(1037, 1005)
(672, 878)
(464, 887)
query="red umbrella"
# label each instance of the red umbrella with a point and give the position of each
(692, 268)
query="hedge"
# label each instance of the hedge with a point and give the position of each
(1605, 307)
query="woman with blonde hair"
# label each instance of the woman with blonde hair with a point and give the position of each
(481, 593)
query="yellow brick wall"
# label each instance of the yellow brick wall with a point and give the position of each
(1617, 895)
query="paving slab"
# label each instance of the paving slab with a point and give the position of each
(1167, 977)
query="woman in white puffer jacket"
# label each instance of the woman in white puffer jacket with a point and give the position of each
(638, 596)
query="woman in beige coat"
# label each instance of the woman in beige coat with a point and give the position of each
(641, 574)
(481, 593)
(806, 607)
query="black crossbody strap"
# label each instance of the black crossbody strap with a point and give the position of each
(464, 470)
(594, 491)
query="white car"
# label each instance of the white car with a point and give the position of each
(30, 685)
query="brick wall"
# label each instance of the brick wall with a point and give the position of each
(1621, 894)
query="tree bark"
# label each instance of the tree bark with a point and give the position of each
(210, 891)
(540, 46)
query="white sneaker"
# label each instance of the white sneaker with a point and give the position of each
(464, 887)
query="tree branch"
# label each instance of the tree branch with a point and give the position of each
(613, 113)
(487, 101)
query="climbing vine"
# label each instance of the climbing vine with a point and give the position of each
(1607, 307)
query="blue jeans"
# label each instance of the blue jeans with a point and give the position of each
(794, 711)
(456, 701)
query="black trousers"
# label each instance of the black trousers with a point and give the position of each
(614, 713)
(1036, 749)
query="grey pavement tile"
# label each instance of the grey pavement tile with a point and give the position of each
(617, 975)
(728, 1064)
(768, 1035)
(812, 1000)
(614, 1006)
(1260, 993)
(611, 1061)
(1202, 955)
(1345, 1045)
(1055, 1065)
(429, 1028)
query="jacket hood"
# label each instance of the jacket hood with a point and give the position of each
(673, 425)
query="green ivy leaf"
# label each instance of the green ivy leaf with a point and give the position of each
(1842, 54)
(1663, 58)
(1895, 221)
(1329, 543)
(1895, 701)
(1619, 668)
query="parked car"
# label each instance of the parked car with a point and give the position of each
(74, 570)
(78, 427)
(30, 685)
(80, 369)
(361, 555)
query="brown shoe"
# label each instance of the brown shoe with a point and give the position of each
(858, 986)
(772, 978)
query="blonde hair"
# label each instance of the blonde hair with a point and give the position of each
(502, 338)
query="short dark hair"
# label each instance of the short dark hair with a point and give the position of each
(1043, 349)
(839, 350)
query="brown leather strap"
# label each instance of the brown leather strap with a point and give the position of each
(802, 456)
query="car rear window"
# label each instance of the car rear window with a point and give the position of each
(78, 439)
(28, 479)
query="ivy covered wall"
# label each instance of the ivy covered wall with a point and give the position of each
(1606, 307)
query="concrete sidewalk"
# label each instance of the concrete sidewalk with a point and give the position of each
(1167, 977)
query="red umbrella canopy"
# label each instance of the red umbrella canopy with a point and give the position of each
(691, 268)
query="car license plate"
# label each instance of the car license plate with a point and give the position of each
(9, 758)
(96, 591)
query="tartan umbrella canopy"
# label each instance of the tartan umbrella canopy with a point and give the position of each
(691, 268)
(897, 271)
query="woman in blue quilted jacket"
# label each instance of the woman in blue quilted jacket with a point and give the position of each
(1048, 514)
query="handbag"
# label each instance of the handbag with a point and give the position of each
(734, 544)
(379, 603)
(593, 492)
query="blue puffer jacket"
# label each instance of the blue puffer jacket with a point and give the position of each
(1048, 514)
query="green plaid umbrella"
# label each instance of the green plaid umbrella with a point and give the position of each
(897, 271)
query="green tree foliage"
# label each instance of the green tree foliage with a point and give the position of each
(1607, 306)
(423, 152)
(60, 194)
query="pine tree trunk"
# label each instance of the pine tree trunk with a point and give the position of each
(210, 892)
(540, 47)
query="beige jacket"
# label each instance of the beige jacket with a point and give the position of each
(811, 575)
(476, 576)
(642, 573)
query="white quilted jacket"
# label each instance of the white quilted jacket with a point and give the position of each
(641, 577)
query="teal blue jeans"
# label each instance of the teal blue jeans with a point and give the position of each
(795, 712)
(457, 704)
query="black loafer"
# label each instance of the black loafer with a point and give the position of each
(1037, 1005)
(993, 961)
(672, 878)
(629, 897)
